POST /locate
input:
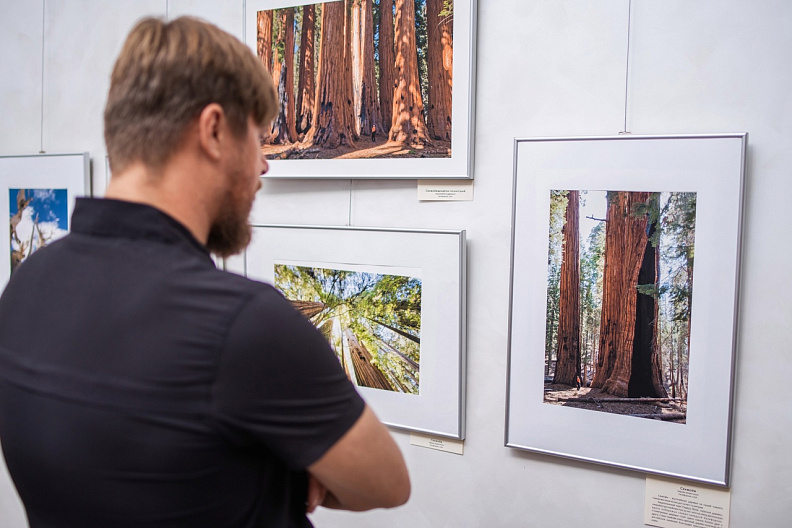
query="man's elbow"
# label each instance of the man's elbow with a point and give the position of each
(400, 491)
(394, 493)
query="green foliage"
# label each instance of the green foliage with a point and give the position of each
(678, 225)
(650, 209)
(592, 262)
(558, 204)
(278, 46)
(448, 9)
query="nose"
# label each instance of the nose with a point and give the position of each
(264, 165)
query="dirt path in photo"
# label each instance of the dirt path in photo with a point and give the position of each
(667, 409)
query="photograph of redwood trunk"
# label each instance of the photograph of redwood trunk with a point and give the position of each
(371, 320)
(360, 79)
(619, 301)
(625, 275)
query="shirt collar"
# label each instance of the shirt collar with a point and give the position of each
(117, 218)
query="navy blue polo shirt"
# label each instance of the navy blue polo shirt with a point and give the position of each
(141, 386)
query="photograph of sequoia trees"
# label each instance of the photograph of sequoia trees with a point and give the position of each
(360, 79)
(619, 292)
(37, 217)
(372, 321)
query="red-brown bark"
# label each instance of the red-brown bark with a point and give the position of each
(264, 38)
(440, 64)
(568, 347)
(367, 374)
(408, 125)
(387, 60)
(333, 124)
(306, 88)
(368, 110)
(625, 243)
(287, 131)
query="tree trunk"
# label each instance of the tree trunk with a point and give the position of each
(408, 125)
(308, 308)
(355, 54)
(415, 366)
(277, 76)
(367, 374)
(264, 38)
(277, 60)
(369, 116)
(349, 106)
(645, 373)
(333, 125)
(440, 63)
(306, 88)
(287, 131)
(568, 341)
(264, 47)
(387, 60)
(403, 333)
(625, 242)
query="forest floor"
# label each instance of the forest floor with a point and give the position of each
(593, 399)
(364, 149)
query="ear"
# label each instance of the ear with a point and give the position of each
(212, 129)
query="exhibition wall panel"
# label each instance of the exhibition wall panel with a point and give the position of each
(544, 68)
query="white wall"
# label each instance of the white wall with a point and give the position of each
(545, 68)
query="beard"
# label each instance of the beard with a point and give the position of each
(230, 233)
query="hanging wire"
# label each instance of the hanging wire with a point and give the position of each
(43, 27)
(627, 67)
(167, 11)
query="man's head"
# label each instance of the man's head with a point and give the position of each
(182, 84)
(166, 74)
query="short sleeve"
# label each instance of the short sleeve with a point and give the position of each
(280, 385)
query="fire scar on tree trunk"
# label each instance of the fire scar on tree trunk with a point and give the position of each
(625, 242)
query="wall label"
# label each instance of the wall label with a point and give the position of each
(449, 445)
(445, 190)
(673, 504)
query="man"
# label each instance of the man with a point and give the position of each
(140, 386)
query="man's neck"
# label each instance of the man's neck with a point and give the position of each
(174, 190)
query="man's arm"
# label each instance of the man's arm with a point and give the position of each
(364, 469)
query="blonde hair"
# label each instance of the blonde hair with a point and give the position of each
(166, 74)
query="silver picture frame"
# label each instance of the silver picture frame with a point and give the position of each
(710, 166)
(49, 181)
(409, 164)
(434, 402)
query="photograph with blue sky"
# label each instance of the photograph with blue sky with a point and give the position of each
(37, 218)
(371, 320)
(619, 301)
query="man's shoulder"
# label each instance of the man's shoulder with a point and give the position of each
(235, 281)
(255, 294)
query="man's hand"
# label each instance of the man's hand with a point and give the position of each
(316, 494)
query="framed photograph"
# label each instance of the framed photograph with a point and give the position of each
(625, 267)
(370, 88)
(392, 305)
(37, 197)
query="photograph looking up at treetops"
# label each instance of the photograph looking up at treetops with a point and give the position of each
(360, 79)
(37, 217)
(619, 300)
(371, 320)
